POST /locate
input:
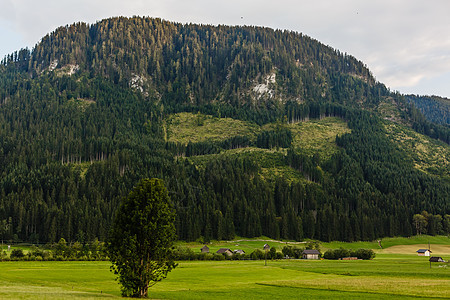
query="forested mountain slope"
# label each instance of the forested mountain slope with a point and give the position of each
(94, 108)
(436, 109)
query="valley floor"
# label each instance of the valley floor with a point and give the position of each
(387, 276)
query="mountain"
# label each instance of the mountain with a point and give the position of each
(434, 108)
(255, 132)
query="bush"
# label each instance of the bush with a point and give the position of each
(17, 254)
(292, 252)
(365, 253)
(257, 254)
(218, 256)
(341, 253)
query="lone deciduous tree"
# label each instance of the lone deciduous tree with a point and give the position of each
(140, 242)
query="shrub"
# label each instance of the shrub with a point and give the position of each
(341, 253)
(17, 254)
(257, 254)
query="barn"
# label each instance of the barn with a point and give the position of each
(225, 251)
(310, 254)
(436, 259)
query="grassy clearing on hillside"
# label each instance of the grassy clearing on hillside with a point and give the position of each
(318, 136)
(431, 156)
(187, 127)
(389, 110)
(387, 276)
(309, 137)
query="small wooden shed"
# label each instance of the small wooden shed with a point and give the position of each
(311, 254)
(205, 249)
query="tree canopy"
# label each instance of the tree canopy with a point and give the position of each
(141, 238)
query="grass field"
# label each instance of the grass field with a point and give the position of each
(390, 242)
(395, 273)
(387, 276)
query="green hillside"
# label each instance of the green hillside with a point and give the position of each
(429, 155)
(255, 132)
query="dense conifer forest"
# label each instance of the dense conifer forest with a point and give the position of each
(83, 117)
(436, 109)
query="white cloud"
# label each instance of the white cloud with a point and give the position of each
(404, 42)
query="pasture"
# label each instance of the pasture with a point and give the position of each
(387, 276)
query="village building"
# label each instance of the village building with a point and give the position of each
(266, 247)
(423, 252)
(205, 249)
(242, 252)
(310, 254)
(225, 251)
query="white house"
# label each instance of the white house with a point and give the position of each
(423, 252)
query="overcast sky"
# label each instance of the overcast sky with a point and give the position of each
(405, 43)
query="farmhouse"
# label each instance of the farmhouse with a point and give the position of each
(436, 259)
(239, 252)
(423, 252)
(310, 254)
(225, 250)
(205, 249)
(266, 247)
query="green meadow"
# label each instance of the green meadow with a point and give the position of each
(395, 273)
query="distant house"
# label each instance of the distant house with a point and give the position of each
(436, 259)
(205, 249)
(423, 252)
(225, 250)
(239, 252)
(266, 247)
(310, 254)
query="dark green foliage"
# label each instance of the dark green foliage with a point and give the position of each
(341, 253)
(17, 254)
(279, 137)
(434, 108)
(71, 147)
(139, 245)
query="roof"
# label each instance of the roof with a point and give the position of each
(223, 250)
(266, 246)
(423, 250)
(436, 259)
(311, 251)
(205, 247)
